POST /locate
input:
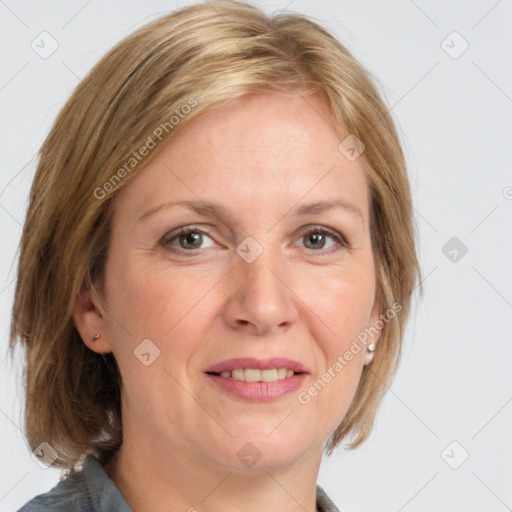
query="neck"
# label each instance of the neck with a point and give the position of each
(153, 479)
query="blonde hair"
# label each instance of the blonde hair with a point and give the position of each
(202, 56)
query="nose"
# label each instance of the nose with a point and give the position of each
(261, 300)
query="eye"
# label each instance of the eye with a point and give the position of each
(317, 237)
(187, 238)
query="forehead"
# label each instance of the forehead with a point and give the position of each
(265, 124)
(257, 149)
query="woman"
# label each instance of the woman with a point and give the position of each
(216, 268)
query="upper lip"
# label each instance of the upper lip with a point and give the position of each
(259, 364)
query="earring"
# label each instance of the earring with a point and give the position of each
(371, 347)
(96, 336)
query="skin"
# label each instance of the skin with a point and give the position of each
(305, 298)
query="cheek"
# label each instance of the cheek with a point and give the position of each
(164, 306)
(149, 304)
(139, 296)
(343, 301)
(344, 307)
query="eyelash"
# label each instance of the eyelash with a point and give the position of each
(341, 241)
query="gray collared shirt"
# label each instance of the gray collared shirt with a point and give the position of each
(91, 490)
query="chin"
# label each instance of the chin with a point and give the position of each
(266, 449)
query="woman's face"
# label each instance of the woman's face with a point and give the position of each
(254, 278)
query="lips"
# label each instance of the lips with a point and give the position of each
(258, 364)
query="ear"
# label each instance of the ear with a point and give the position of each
(374, 323)
(90, 320)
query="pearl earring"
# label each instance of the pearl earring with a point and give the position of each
(96, 336)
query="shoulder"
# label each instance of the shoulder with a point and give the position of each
(68, 495)
(89, 490)
(323, 502)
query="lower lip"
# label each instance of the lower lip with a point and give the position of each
(259, 391)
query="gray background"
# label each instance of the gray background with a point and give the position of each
(454, 111)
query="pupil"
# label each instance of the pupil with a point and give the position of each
(191, 239)
(316, 237)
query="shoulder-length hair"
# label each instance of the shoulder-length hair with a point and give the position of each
(141, 93)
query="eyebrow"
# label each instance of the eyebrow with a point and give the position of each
(206, 208)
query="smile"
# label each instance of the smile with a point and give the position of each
(256, 375)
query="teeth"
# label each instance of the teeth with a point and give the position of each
(254, 375)
(269, 375)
